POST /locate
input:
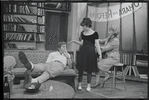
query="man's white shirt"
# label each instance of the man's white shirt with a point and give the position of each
(56, 56)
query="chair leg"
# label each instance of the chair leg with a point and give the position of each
(124, 78)
(113, 82)
(115, 76)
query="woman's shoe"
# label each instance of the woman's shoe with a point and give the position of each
(105, 79)
(79, 88)
(88, 89)
(96, 85)
(103, 83)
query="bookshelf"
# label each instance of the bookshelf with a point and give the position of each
(23, 25)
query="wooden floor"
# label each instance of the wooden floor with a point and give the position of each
(136, 88)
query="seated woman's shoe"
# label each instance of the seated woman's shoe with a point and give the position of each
(103, 83)
(105, 79)
(96, 85)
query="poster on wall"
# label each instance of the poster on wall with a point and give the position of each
(103, 14)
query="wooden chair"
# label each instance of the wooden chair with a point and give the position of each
(115, 75)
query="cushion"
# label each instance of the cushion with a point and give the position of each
(19, 72)
(9, 62)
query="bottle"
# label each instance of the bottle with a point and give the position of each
(45, 87)
(6, 88)
(51, 88)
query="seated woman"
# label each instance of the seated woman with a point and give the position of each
(110, 51)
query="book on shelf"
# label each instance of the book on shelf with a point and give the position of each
(10, 46)
(22, 45)
(40, 11)
(59, 5)
(42, 29)
(40, 37)
(144, 76)
(19, 36)
(26, 45)
(41, 20)
(19, 28)
(30, 28)
(41, 4)
(20, 18)
(15, 8)
(33, 10)
(64, 6)
(33, 3)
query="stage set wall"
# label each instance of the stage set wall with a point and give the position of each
(133, 28)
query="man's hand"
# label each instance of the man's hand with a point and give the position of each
(66, 54)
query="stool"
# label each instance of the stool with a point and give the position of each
(118, 65)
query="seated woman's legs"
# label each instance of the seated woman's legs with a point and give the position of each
(97, 83)
(104, 65)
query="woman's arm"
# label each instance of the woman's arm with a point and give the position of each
(76, 42)
(97, 45)
(110, 46)
(103, 40)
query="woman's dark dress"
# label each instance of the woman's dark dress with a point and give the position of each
(86, 57)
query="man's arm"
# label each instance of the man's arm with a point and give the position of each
(69, 63)
(69, 60)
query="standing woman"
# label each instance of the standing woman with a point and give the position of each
(111, 51)
(87, 57)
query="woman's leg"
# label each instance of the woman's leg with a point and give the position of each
(97, 83)
(80, 79)
(89, 78)
(97, 77)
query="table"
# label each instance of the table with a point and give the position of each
(60, 90)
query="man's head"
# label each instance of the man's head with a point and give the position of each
(62, 47)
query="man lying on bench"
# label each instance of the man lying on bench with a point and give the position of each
(54, 65)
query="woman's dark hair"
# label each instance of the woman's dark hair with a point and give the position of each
(87, 22)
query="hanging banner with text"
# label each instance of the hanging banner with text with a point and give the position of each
(102, 14)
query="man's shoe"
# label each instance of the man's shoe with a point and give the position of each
(24, 60)
(27, 76)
